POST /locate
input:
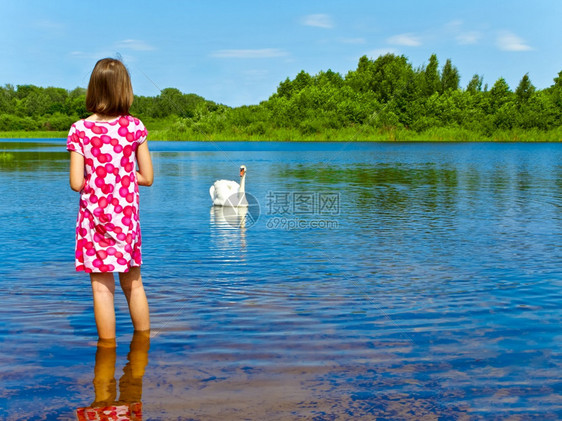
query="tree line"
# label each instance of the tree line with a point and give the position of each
(31, 108)
(381, 95)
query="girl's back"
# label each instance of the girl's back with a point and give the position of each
(108, 228)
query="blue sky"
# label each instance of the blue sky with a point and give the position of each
(237, 52)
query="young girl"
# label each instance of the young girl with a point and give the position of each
(105, 150)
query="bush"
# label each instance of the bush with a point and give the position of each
(58, 122)
(257, 128)
(12, 122)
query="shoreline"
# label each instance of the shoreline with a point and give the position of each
(342, 135)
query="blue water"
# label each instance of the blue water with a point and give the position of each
(391, 281)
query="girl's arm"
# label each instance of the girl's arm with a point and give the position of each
(145, 174)
(76, 171)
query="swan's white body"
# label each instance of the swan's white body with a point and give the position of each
(228, 192)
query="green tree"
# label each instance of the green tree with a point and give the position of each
(475, 84)
(75, 104)
(289, 88)
(556, 92)
(524, 91)
(386, 92)
(329, 78)
(359, 79)
(432, 79)
(386, 77)
(35, 103)
(7, 99)
(499, 95)
(170, 102)
(301, 81)
(449, 77)
(285, 89)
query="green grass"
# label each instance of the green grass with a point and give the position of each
(362, 133)
(21, 134)
(167, 130)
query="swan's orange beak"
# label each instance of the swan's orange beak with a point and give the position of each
(241, 172)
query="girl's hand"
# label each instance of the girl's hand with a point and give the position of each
(77, 180)
(145, 174)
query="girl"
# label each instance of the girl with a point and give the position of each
(105, 150)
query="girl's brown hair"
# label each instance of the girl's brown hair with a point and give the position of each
(110, 91)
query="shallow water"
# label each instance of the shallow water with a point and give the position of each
(399, 281)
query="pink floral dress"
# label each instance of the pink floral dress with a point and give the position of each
(108, 235)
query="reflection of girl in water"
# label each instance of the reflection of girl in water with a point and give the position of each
(106, 406)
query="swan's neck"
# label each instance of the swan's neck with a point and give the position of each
(243, 183)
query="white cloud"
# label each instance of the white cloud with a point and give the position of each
(381, 52)
(319, 21)
(134, 44)
(260, 53)
(455, 29)
(471, 37)
(408, 40)
(508, 41)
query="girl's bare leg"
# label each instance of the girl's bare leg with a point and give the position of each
(103, 288)
(131, 283)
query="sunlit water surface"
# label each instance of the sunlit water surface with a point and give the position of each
(397, 281)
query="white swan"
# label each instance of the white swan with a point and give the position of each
(230, 193)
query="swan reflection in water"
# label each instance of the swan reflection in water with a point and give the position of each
(106, 405)
(230, 223)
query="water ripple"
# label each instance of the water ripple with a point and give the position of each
(435, 296)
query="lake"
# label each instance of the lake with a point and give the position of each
(368, 280)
